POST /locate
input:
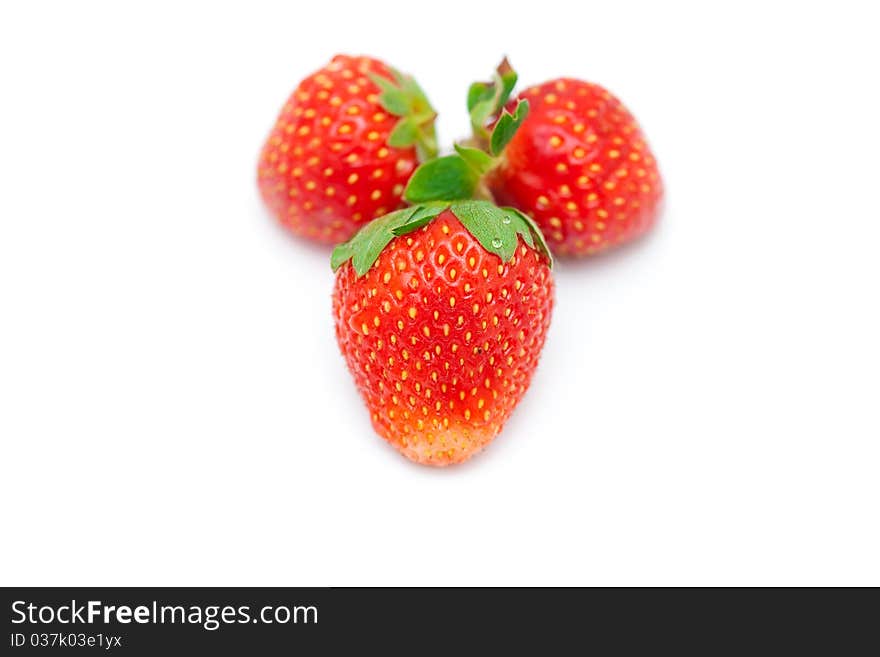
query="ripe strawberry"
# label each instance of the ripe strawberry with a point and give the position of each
(580, 166)
(344, 147)
(578, 163)
(441, 315)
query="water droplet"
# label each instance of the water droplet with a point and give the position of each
(505, 219)
(496, 243)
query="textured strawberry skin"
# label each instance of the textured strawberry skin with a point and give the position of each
(326, 167)
(442, 338)
(580, 166)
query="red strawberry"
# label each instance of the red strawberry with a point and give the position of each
(344, 147)
(580, 166)
(441, 315)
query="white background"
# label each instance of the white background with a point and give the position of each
(173, 407)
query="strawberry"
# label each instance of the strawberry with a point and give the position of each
(578, 164)
(344, 147)
(441, 311)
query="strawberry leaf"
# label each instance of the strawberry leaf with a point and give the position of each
(364, 248)
(342, 253)
(393, 98)
(478, 160)
(486, 99)
(367, 244)
(403, 97)
(498, 229)
(530, 232)
(507, 126)
(480, 115)
(508, 82)
(484, 221)
(422, 215)
(446, 178)
(404, 134)
(479, 92)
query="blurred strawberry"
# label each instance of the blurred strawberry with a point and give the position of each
(343, 148)
(578, 164)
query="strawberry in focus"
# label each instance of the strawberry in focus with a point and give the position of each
(441, 311)
(343, 148)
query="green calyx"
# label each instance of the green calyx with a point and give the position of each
(460, 175)
(497, 230)
(403, 97)
(487, 99)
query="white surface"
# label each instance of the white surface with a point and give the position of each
(173, 408)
